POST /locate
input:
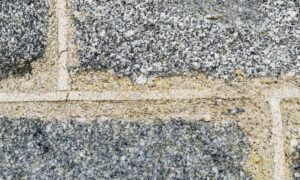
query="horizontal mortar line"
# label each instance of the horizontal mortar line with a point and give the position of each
(285, 93)
(30, 97)
(113, 96)
(134, 95)
(139, 95)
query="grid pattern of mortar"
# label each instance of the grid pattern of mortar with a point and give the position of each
(33, 99)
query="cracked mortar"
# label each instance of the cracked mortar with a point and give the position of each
(255, 121)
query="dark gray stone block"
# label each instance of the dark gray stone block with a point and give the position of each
(114, 149)
(23, 29)
(145, 38)
(295, 164)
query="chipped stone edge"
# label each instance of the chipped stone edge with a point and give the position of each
(63, 74)
(278, 133)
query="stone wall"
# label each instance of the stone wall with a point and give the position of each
(163, 89)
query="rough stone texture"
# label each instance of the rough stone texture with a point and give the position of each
(293, 138)
(145, 38)
(295, 164)
(23, 27)
(116, 149)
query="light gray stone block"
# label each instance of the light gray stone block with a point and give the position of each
(146, 38)
(114, 149)
(23, 30)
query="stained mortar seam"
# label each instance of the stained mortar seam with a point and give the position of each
(112, 96)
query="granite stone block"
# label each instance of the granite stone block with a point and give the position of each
(115, 149)
(147, 38)
(23, 30)
(295, 164)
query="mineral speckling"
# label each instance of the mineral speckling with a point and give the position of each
(23, 29)
(147, 38)
(295, 165)
(114, 149)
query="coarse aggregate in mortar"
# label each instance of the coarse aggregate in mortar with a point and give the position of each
(148, 38)
(23, 27)
(291, 118)
(120, 149)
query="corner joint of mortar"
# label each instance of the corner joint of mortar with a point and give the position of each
(274, 99)
(284, 93)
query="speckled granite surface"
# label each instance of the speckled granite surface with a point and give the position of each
(23, 29)
(295, 164)
(114, 149)
(146, 38)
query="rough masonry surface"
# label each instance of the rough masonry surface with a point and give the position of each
(114, 149)
(23, 29)
(295, 164)
(147, 38)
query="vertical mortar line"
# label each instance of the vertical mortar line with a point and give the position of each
(277, 139)
(62, 23)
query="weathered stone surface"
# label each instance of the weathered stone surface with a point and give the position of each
(116, 149)
(295, 160)
(23, 27)
(145, 38)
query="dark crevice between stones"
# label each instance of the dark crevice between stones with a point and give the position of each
(15, 70)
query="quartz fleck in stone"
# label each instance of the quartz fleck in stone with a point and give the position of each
(115, 149)
(147, 38)
(23, 29)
